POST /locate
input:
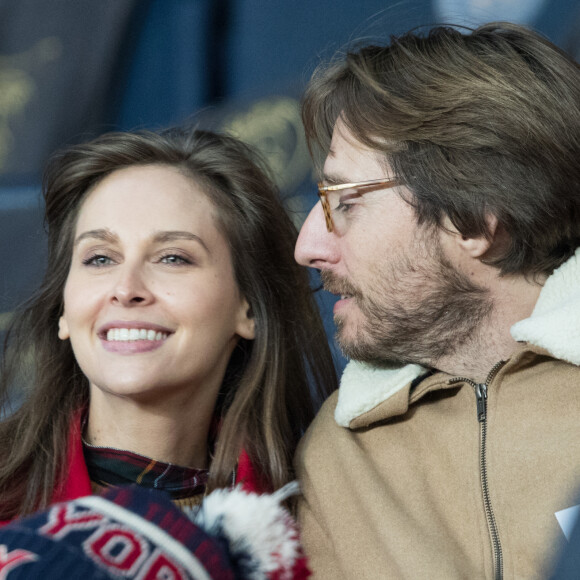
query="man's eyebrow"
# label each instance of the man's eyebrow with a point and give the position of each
(334, 179)
(102, 234)
(174, 235)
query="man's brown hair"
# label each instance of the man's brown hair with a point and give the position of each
(478, 124)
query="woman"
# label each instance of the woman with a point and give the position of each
(174, 342)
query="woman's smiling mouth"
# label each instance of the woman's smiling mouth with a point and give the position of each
(133, 337)
(132, 334)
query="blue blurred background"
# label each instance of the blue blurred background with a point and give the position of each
(71, 69)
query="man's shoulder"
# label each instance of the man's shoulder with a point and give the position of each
(322, 430)
(367, 396)
(324, 420)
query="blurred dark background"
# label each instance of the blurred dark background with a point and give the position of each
(71, 69)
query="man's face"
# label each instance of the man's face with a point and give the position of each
(400, 297)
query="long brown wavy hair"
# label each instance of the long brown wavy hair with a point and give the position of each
(273, 384)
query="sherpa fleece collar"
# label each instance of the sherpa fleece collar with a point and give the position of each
(555, 321)
(554, 325)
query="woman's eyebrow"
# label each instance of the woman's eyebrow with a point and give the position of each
(104, 235)
(173, 235)
(163, 237)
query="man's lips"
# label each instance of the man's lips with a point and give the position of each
(341, 303)
(337, 286)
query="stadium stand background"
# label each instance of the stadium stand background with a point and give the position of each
(71, 69)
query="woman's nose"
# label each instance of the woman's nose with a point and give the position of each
(130, 287)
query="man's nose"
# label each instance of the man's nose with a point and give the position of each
(315, 246)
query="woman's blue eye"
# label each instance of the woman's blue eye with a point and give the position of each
(98, 261)
(174, 259)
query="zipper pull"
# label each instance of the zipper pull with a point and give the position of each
(481, 395)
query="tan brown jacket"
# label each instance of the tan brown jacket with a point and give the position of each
(412, 477)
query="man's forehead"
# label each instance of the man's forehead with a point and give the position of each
(341, 135)
(350, 160)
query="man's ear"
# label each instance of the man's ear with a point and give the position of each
(63, 332)
(481, 246)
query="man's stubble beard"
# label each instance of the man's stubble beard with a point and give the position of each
(413, 312)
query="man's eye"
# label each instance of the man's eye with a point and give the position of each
(343, 207)
(343, 202)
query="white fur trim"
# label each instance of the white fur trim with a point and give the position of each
(555, 321)
(256, 526)
(363, 387)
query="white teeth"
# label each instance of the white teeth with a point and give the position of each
(132, 334)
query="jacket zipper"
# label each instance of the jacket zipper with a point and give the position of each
(480, 390)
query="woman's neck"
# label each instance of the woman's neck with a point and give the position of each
(172, 433)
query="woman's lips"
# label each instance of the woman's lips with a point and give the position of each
(132, 334)
(131, 346)
(132, 337)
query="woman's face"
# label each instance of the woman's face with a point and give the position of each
(151, 305)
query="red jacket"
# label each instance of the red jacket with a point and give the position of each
(78, 483)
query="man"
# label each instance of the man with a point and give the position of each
(449, 225)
